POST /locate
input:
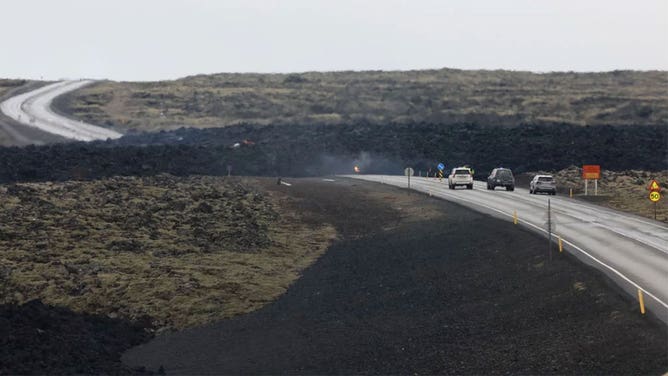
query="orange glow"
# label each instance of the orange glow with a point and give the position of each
(357, 169)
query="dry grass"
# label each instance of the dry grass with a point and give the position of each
(446, 95)
(177, 251)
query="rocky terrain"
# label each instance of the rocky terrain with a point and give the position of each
(113, 261)
(304, 150)
(125, 257)
(622, 190)
(36, 338)
(444, 96)
(180, 251)
(418, 285)
(106, 244)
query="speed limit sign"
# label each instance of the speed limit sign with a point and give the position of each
(654, 196)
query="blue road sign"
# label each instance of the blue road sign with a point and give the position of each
(441, 166)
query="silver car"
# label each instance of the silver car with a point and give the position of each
(543, 183)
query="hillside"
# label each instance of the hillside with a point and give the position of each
(316, 150)
(437, 96)
(7, 85)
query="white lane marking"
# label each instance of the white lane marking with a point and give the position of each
(620, 274)
(328, 180)
(595, 222)
(288, 184)
(602, 211)
(570, 212)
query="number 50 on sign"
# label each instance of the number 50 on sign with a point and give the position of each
(654, 196)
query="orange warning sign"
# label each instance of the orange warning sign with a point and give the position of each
(654, 186)
(591, 172)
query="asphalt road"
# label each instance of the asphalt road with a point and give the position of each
(33, 109)
(13, 133)
(631, 250)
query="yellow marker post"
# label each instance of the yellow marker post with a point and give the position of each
(561, 245)
(515, 217)
(641, 301)
(571, 192)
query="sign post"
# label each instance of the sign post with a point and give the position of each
(549, 230)
(654, 194)
(591, 172)
(440, 167)
(409, 172)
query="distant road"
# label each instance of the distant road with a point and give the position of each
(33, 109)
(631, 250)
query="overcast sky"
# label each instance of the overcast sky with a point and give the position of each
(165, 39)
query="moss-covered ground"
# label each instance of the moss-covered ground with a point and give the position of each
(176, 252)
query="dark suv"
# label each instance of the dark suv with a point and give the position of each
(501, 177)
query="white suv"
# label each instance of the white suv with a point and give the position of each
(460, 176)
(543, 183)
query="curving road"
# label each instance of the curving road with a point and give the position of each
(631, 250)
(33, 109)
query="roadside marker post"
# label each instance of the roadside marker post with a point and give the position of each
(561, 245)
(409, 172)
(641, 300)
(549, 229)
(570, 192)
(515, 216)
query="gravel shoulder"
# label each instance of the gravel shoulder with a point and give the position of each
(418, 285)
